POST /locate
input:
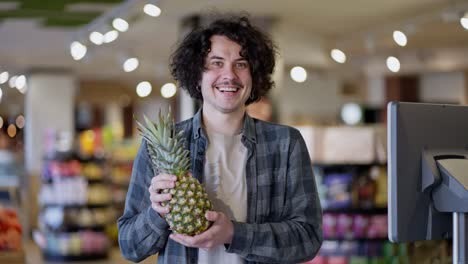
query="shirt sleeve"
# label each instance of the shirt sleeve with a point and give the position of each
(142, 231)
(298, 237)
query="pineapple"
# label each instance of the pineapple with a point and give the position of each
(167, 153)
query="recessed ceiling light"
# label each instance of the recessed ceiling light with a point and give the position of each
(338, 55)
(400, 38)
(298, 74)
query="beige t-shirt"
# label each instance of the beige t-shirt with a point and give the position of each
(225, 183)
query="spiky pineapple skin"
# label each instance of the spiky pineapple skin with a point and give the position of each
(168, 155)
(187, 207)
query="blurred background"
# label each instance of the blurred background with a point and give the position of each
(74, 73)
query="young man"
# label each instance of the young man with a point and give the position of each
(258, 174)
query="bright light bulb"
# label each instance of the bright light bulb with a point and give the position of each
(464, 21)
(351, 113)
(152, 10)
(400, 38)
(11, 130)
(12, 81)
(77, 50)
(130, 64)
(120, 24)
(4, 77)
(338, 55)
(96, 37)
(20, 121)
(298, 74)
(20, 82)
(168, 90)
(143, 89)
(393, 64)
(111, 36)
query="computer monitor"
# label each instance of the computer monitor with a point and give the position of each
(421, 138)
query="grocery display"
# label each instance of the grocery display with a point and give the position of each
(121, 162)
(350, 170)
(11, 227)
(354, 223)
(75, 205)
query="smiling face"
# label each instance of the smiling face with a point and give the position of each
(226, 82)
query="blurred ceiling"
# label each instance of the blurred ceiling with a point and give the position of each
(37, 34)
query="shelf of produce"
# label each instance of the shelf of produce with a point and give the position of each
(357, 239)
(78, 206)
(12, 257)
(364, 211)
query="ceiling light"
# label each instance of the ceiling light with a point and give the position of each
(338, 55)
(20, 82)
(11, 130)
(3, 77)
(111, 36)
(130, 64)
(96, 37)
(168, 90)
(143, 89)
(400, 38)
(77, 50)
(464, 21)
(298, 74)
(12, 81)
(393, 64)
(120, 24)
(20, 121)
(351, 114)
(152, 10)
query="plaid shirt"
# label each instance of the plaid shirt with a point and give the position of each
(284, 218)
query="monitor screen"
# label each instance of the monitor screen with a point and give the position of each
(412, 129)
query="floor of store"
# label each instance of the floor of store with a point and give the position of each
(34, 256)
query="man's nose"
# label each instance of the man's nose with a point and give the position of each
(229, 73)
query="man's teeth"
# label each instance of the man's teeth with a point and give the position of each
(227, 89)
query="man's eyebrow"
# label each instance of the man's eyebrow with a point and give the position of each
(214, 57)
(241, 59)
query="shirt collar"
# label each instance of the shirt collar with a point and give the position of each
(248, 130)
(197, 124)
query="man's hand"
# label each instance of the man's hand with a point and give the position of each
(158, 183)
(220, 232)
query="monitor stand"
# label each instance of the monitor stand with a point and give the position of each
(460, 233)
(451, 195)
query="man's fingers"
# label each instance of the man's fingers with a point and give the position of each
(160, 209)
(157, 198)
(185, 240)
(159, 185)
(163, 177)
(212, 216)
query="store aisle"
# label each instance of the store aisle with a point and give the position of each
(33, 256)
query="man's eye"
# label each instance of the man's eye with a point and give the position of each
(242, 65)
(217, 63)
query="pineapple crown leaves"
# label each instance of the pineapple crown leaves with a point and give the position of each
(165, 146)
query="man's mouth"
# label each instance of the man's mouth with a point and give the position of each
(228, 89)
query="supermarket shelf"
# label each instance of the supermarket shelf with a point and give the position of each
(12, 257)
(358, 239)
(56, 257)
(369, 211)
(78, 206)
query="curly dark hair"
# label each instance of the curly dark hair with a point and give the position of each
(188, 60)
